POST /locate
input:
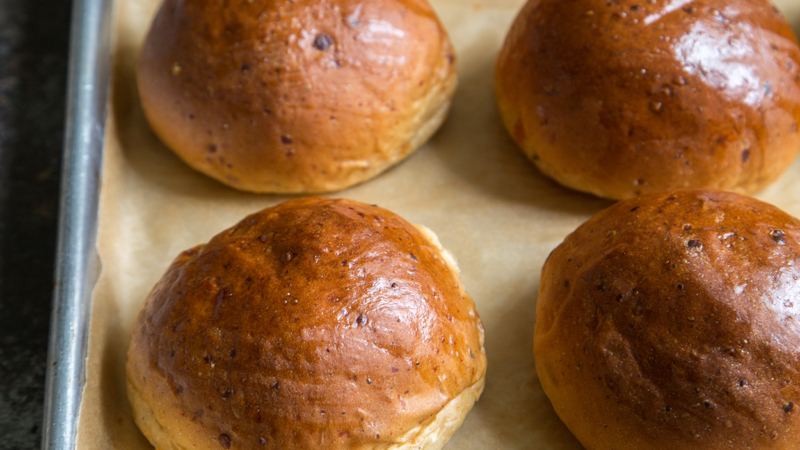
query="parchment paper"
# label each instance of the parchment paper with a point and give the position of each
(495, 212)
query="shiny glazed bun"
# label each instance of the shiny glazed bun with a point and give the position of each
(672, 321)
(624, 97)
(295, 96)
(316, 324)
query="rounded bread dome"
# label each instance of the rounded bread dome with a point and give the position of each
(625, 97)
(295, 96)
(318, 323)
(672, 321)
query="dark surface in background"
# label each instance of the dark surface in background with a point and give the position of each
(34, 37)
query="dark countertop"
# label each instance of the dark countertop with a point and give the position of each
(34, 37)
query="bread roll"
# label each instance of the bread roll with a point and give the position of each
(295, 96)
(625, 97)
(672, 321)
(316, 324)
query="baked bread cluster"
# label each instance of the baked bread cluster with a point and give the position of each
(672, 321)
(624, 97)
(667, 321)
(295, 96)
(316, 324)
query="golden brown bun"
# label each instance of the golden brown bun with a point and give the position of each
(295, 96)
(672, 321)
(625, 97)
(316, 324)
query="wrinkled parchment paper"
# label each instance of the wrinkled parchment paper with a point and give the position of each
(495, 212)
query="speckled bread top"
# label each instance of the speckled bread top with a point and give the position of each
(295, 96)
(672, 321)
(319, 323)
(624, 97)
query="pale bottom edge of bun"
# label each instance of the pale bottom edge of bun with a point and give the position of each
(432, 434)
(145, 419)
(448, 257)
(430, 118)
(431, 112)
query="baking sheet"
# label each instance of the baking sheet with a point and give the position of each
(470, 184)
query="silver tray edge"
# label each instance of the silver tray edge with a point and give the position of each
(77, 264)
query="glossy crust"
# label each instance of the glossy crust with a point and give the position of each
(672, 321)
(295, 96)
(625, 97)
(324, 324)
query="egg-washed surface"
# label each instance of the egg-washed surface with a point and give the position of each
(671, 321)
(626, 97)
(316, 324)
(489, 206)
(295, 97)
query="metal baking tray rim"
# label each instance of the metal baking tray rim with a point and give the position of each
(77, 263)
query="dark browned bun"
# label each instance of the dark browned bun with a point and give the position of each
(672, 321)
(624, 97)
(295, 96)
(316, 324)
